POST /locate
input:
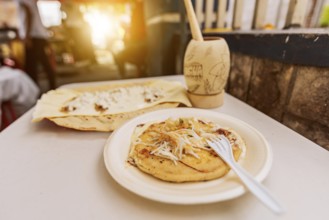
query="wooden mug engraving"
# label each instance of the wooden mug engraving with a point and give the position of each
(206, 67)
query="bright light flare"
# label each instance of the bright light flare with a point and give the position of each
(104, 27)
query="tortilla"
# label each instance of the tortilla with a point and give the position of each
(105, 107)
(104, 122)
(175, 150)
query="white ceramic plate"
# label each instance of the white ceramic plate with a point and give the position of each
(257, 161)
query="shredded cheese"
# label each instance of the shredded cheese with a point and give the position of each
(115, 98)
(175, 138)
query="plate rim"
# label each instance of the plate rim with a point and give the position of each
(236, 192)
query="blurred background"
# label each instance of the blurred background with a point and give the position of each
(278, 48)
(91, 40)
(83, 38)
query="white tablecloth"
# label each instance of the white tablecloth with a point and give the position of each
(17, 87)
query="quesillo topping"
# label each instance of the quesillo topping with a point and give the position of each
(176, 149)
(109, 99)
(117, 98)
(106, 106)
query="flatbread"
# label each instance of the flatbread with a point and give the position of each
(56, 105)
(104, 122)
(155, 150)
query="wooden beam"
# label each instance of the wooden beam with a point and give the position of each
(198, 11)
(290, 13)
(209, 14)
(278, 14)
(317, 13)
(221, 13)
(300, 13)
(259, 14)
(309, 47)
(310, 12)
(237, 14)
(296, 13)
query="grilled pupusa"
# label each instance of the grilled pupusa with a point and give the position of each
(175, 150)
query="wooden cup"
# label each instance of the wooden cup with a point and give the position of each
(206, 69)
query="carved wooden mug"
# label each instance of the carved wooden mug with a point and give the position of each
(206, 69)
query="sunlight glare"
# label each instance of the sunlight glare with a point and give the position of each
(104, 27)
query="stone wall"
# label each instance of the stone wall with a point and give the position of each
(297, 96)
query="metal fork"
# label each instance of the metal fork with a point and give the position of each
(223, 148)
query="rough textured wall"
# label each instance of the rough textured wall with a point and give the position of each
(297, 96)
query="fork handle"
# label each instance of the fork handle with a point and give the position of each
(256, 188)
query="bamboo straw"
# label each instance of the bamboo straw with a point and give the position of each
(195, 29)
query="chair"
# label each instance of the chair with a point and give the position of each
(8, 115)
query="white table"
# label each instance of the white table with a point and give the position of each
(49, 172)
